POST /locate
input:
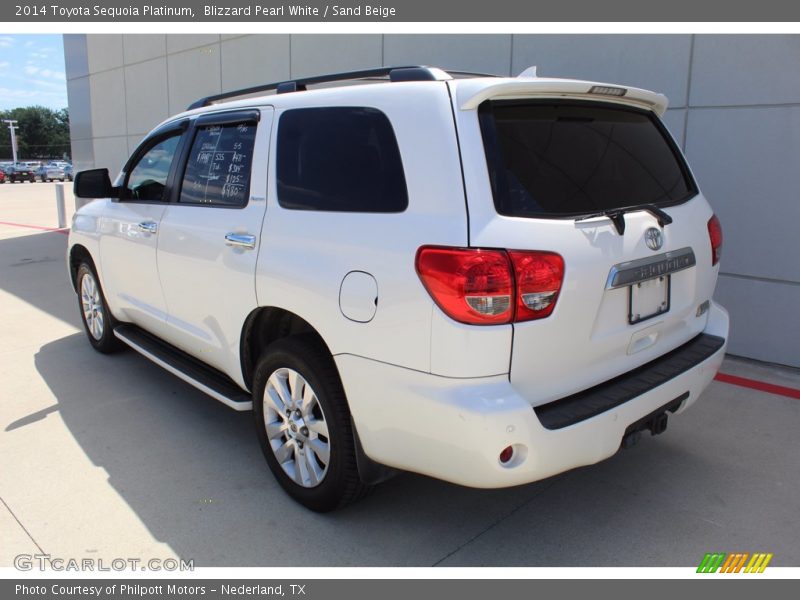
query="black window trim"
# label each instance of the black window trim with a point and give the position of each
(486, 106)
(248, 115)
(175, 128)
(337, 106)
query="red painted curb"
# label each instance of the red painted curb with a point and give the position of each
(761, 386)
(65, 231)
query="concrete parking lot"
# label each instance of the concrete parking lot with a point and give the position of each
(110, 456)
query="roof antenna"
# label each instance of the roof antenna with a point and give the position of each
(529, 72)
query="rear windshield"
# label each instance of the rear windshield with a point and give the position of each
(574, 158)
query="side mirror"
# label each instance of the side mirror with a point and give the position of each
(94, 183)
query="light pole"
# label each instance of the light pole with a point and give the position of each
(12, 127)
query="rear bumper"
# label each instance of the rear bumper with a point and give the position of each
(455, 429)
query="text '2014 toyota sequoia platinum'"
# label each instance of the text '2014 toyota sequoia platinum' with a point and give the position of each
(488, 280)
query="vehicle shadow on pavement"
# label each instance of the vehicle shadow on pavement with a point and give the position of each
(34, 269)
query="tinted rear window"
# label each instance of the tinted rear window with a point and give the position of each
(339, 159)
(572, 158)
(218, 171)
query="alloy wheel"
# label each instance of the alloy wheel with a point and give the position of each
(296, 427)
(92, 306)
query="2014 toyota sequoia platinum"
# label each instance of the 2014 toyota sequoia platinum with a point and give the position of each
(488, 280)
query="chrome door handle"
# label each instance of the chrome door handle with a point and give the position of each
(241, 240)
(148, 226)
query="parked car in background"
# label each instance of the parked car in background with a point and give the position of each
(60, 170)
(2, 176)
(20, 172)
(52, 172)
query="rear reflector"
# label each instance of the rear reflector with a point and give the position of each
(715, 235)
(490, 287)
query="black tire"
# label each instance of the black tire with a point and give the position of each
(106, 342)
(340, 484)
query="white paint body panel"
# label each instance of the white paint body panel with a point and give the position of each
(133, 290)
(469, 421)
(358, 296)
(306, 254)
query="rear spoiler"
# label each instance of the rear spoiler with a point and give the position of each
(472, 92)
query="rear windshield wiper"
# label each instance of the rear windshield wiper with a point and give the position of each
(617, 215)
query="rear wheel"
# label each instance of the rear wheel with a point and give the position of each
(303, 424)
(97, 320)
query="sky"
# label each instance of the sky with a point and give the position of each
(32, 71)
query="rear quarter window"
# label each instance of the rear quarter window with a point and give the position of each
(339, 159)
(218, 168)
(568, 158)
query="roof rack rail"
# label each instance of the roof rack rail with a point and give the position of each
(406, 73)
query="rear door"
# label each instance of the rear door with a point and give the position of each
(208, 239)
(540, 174)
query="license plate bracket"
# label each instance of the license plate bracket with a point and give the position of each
(649, 298)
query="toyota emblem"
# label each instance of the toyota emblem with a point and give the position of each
(653, 239)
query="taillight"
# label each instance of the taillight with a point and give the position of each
(715, 235)
(470, 285)
(491, 287)
(538, 276)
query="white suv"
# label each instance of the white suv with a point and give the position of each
(488, 280)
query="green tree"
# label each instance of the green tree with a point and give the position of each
(42, 133)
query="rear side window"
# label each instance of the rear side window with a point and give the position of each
(218, 169)
(573, 158)
(339, 159)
